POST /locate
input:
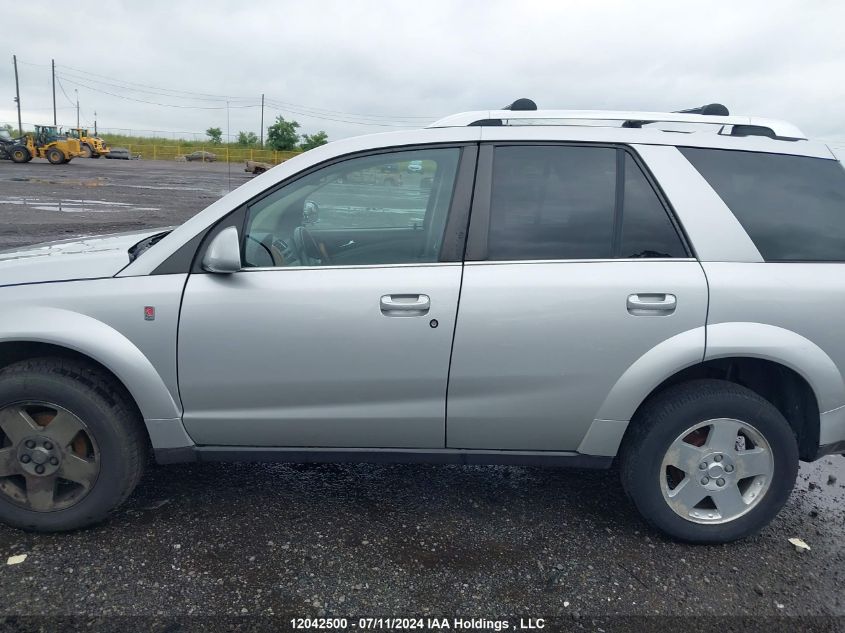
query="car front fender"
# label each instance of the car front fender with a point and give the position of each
(98, 341)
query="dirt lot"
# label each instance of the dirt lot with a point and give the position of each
(40, 201)
(252, 539)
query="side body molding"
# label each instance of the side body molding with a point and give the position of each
(777, 344)
(99, 341)
(639, 380)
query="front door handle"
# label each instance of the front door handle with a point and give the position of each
(652, 304)
(405, 305)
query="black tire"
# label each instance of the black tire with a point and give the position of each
(86, 150)
(112, 420)
(55, 156)
(670, 413)
(20, 154)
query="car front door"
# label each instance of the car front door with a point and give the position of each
(575, 270)
(338, 329)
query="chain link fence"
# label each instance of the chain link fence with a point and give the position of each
(206, 153)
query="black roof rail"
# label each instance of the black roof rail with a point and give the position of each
(711, 109)
(520, 105)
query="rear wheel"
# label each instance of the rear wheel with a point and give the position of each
(709, 461)
(55, 156)
(20, 154)
(87, 152)
(71, 445)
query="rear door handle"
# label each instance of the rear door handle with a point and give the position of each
(652, 304)
(405, 305)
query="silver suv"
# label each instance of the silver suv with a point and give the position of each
(562, 288)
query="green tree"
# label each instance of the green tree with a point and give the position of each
(247, 138)
(310, 141)
(215, 134)
(282, 135)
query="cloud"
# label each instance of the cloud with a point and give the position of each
(391, 61)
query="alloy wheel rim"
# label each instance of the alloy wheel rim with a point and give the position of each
(716, 471)
(49, 459)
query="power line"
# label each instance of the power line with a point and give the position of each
(113, 87)
(161, 91)
(64, 93)
(276, 105)
(131, 83)
(337, 120)
(157, 103)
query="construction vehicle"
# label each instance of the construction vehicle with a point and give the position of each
(45, 142)
(90, 146)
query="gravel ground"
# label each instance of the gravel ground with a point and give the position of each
(40, 201)
(367, 540)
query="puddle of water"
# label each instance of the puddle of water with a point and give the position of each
(74, 206)
(91, 182)
(162, 187)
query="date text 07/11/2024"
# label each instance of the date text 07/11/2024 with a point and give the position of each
(430, 623)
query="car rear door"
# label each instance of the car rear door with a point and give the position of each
(338, 330)
(575, 269)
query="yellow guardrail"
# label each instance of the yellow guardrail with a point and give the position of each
(222, 154)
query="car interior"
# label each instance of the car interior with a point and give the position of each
(363, 211)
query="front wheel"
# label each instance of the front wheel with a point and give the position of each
(709, 461)
(87, 152)
(55, 156)
(20, 154)
(72, 445)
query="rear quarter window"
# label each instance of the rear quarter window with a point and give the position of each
(792, 207)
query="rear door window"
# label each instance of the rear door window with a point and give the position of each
(792, 207)
(647, 230)
(575, 202)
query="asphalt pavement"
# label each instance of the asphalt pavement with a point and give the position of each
(275, 540)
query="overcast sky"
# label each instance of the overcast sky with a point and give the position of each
(344, 66)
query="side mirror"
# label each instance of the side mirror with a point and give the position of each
(223, 254)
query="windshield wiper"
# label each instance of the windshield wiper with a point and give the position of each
(144, 245)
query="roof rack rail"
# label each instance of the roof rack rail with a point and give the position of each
(522, 104)
(711, 109)
(710, 114)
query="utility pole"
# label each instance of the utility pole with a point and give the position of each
(262, 119)
(95, 123)
(18, 94)
(77, 106)
(54, 92)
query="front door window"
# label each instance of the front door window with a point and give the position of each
(376, 210)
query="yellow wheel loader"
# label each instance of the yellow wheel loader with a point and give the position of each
(46, 142)
(90, 146)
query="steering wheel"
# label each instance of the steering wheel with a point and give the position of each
(302, 241)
